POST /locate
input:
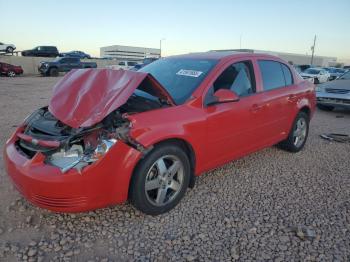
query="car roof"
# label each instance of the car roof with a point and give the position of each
(220, 55)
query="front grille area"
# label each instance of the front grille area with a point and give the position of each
(337, 91)
(72, 202)
(334, 100)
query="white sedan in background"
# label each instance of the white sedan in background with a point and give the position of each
(8, 48)
(316, 75)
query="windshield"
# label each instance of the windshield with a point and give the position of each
(312, 71)
(341, 71)
(345, 76)
(180, 76)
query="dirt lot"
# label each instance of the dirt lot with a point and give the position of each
(271, 205)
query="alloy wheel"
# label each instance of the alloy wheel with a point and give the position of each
(164, 180)
(11, 74)
(300, 131)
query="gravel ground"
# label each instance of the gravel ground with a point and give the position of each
(271, 205)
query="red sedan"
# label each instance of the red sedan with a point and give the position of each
(108, 136)
(10, 70)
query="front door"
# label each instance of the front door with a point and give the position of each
(233, 129)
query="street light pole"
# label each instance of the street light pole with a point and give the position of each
(160, 46)
(313, 51)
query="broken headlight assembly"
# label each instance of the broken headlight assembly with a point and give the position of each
(319, 89)
(76, 157)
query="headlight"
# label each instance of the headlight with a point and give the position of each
(102, 149)
(68, 159)
(75, 157)
(319, 89)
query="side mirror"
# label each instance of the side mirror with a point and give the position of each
(224, 96)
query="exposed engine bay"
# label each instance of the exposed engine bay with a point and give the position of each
(66, 147)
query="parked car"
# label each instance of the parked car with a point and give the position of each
(303, 67)
(63, 64)
(78, 54)
(126, 65)
(334, 94)
(112, 135)
(315, 75)
(42, 51)
(145, 62)
(8, 48)
(346, 67)
(334, 72)
(298, 69)
(10, 70)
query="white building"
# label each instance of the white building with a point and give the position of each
(297, 59)
(128, 53)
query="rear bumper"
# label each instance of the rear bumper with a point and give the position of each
(101, 184)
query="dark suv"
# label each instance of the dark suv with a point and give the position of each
(42, 51)
(63, 64)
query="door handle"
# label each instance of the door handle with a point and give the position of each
(292, 98)
(256, 107)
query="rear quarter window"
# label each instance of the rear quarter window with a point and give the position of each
(287, 75)
(274, 74)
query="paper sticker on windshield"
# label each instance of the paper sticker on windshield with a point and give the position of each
(191, 73)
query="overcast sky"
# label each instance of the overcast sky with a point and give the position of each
(187, 26)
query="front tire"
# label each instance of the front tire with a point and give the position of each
(11, 74)
(160, 180)
(298, 134)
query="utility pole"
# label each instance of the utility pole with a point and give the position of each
(160, 46)
(240, 41)
(313, 51)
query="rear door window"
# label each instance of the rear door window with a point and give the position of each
(275, 74)
(73, 60)
(272, 74)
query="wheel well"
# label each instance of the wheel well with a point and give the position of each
(189, 152)
(306, 110)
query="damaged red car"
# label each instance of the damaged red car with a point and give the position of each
(108, 136)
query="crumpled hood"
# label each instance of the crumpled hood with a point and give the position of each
(307, 75)
(337, 84)
(86, 96)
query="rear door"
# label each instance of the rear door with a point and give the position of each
(64, 64)
(74, 62)
(280, 98)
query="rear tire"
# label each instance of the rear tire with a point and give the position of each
(298, 134)
(53, 72)
(160, 180)
(9, 49)
(325, 108)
